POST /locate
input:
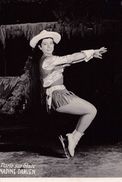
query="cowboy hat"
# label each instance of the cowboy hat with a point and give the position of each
(45, 34)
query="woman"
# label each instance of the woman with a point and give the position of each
(58, 97)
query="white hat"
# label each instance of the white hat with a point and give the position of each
(45, 34)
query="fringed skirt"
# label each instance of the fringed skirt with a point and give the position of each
(61, 97)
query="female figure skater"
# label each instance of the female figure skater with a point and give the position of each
(58, 98)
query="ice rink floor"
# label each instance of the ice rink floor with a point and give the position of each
(49, 161)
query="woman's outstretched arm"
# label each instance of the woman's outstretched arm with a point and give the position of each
(85, 55)
(89, 54)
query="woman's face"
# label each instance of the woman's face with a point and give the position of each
(47, 46)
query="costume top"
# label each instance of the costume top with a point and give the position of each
(52, 67)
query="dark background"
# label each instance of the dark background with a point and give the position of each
(98, 81)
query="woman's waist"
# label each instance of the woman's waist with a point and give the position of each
(57, 82)
(47, 82)
(52, 88)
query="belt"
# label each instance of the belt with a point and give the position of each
(49, 92)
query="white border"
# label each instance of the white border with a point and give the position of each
(61, 179)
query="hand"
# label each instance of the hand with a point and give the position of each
(98, 52)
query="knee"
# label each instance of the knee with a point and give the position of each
(93, 111)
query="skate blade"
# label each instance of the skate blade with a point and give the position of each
(67, 154)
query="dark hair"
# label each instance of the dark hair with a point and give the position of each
(39, 43)
(37, 91)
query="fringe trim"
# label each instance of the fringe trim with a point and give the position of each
(61, 97)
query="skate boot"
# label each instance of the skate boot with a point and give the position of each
(73, 139)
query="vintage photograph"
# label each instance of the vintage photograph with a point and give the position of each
(60, 88)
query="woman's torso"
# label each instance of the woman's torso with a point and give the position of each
(51, 75)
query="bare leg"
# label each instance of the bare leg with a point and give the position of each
(87, 113)
(83, 108)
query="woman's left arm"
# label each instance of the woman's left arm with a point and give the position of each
(73, 58)
(98, 52)
(67, 60)
(89, 54)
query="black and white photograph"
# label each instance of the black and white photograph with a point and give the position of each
(60, 89)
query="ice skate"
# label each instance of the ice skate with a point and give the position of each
(64, 143)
